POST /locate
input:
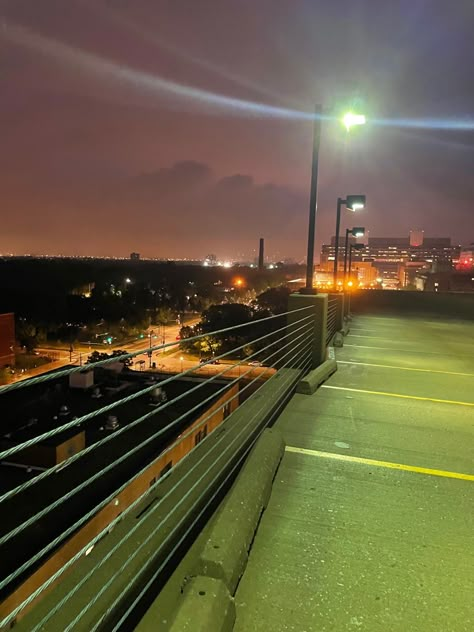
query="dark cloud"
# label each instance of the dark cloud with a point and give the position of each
(225, 215)
(182, 178)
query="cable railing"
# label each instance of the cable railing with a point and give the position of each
(333, 308)
(281, 347)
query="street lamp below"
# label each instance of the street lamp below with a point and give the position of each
(150, 351)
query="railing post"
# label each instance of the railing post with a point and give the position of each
(318, 328)
(347, 300)
(347, 305)
(340, 310)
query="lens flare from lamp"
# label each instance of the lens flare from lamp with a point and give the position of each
(350, 120)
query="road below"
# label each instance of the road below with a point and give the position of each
(168, 360)
(64, 356)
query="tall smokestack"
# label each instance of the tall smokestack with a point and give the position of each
(260, 254)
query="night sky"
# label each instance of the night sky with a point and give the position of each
(112, 138)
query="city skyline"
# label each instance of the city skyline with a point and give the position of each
(143, 132)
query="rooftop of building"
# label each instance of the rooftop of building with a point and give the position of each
(45, 402)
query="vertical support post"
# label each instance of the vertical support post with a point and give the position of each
(340, 310)
(345, 256)
(340, 201)
(317, 328)
(261, 260)
(313, 198)
(346, 304)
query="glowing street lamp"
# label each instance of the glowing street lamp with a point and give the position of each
(351, 119)
(352, 203)
(357, 231)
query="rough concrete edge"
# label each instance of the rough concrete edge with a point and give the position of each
(244, 503)
(309, 384)
(211, 598)
(338, 340)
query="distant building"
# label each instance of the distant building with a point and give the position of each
(398, 259)
(211, 260)
(447, 281)
(135, 256)
(7, 340)
(364, 272)
(328, 253)
(466, 259)
(416, 238)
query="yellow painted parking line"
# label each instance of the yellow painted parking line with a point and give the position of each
(405, 368)
(423, 399)
(376, 463)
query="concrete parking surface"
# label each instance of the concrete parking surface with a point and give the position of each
(370, 523)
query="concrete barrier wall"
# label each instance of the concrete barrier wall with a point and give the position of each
(443, 304)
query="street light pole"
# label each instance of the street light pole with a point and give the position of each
(340, 202)
(313, 200)
(150, 353)
(348, 230)
(358, 231)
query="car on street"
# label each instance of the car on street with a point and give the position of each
(210, 360)
(255, 363)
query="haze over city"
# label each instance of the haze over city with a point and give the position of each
(178, 129)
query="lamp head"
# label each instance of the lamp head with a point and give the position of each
(358, 231)
(355, 202)
(350, 119)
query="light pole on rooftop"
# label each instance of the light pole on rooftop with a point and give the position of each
(352, 203)
(350, 119)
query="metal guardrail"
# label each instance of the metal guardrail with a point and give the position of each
(278, 347)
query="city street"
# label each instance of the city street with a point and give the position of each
(169, 360)
(64, 357)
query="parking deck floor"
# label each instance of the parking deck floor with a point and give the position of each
(370, 525)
